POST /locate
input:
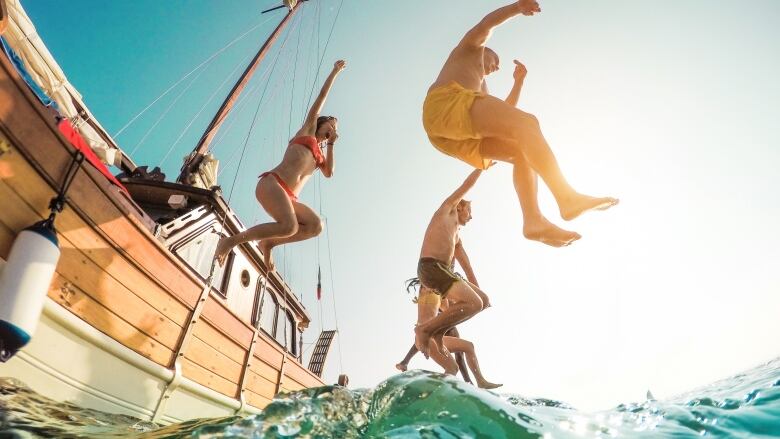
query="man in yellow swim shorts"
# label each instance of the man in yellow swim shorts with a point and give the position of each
(464, 121)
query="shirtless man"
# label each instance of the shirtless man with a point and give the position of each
(462, 120)
(435, 272)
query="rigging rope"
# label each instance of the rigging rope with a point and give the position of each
(208, 60)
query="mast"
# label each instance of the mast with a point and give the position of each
(193, 160)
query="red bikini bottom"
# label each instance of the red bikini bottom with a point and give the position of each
(281, 182)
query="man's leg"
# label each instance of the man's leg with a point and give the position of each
(493, 118)
(455, 344)
(465, 303)
(405, 362)
(443, 359)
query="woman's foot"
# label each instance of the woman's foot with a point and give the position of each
(488, 385)
(223, 249)
(577, 204)
(544, 231)
(266, 247)
(401, 367)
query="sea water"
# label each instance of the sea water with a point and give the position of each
(419, 404)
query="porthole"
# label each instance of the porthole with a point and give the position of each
(245, 278)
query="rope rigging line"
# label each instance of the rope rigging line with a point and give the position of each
(195, 117)
(325, 50)
(208, 60)
(165, 112)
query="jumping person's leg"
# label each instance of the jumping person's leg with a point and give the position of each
(309, 226)
(405, 362)
(277, 203)
(459, 359)
(443, 359)
(493, 118)
(464, 304)
(455, 344)
(535, 226)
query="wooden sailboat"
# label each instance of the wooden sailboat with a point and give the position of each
(133, 323)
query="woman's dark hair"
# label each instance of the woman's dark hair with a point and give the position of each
(322, 119)
(413, 284)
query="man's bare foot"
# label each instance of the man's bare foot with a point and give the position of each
(401, 367)
(578, 204)
(266, 248)
(421, 340)
(488, 385)
(438, 338)
(223, 249)
(548, 233)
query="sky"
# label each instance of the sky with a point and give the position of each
(673, 109)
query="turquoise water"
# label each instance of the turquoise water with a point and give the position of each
(420, 404)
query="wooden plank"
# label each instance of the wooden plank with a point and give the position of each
(213, 360)
(207, 333)
(269, 371)
(7, 237)
(23, 180)
(92, 312)
(88, 277)
(256, 400)
(261, 385)
(300, 374)
(209, 379)
(218, 315)
(268, 351)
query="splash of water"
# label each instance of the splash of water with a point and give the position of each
(419, 404)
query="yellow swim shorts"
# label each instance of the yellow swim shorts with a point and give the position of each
(447, 121)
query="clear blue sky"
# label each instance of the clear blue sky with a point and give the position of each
(672, 108)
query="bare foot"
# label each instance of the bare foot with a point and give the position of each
(548, 233)
(488, 385)
(438, 338)
(578, 204)
(266, 248)
(401, 367)
(223, 249)
(421, 340)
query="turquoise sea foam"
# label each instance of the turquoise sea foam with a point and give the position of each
(420, 404)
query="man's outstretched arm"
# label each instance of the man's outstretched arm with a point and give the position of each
(519, 75)
(479, 34)
(460, 192)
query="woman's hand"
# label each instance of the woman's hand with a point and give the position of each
(339, 66)
(332, 136)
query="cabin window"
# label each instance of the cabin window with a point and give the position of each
(198, 253)
(281, 322)
(268, 313)
(245, 278)
(291, 345)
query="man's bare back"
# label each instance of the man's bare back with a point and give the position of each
(466, 66)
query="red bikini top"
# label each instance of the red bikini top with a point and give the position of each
(311, 143)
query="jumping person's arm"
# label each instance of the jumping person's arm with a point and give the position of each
(519, 76)
(465, 264)
(479, 34)
(310, 124)
(327, 168)
(452, 201)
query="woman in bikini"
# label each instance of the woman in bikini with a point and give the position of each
(278, 189)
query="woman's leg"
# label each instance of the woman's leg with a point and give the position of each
(277, 203)
(309, 226)
(454, 344)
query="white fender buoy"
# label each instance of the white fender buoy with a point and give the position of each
(24, 282)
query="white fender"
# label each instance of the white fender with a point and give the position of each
(24, 282)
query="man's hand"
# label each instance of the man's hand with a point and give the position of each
(520, 71)
(528, 7)
(339, 65)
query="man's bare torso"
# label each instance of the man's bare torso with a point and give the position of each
(441, 236)
(465, 66)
